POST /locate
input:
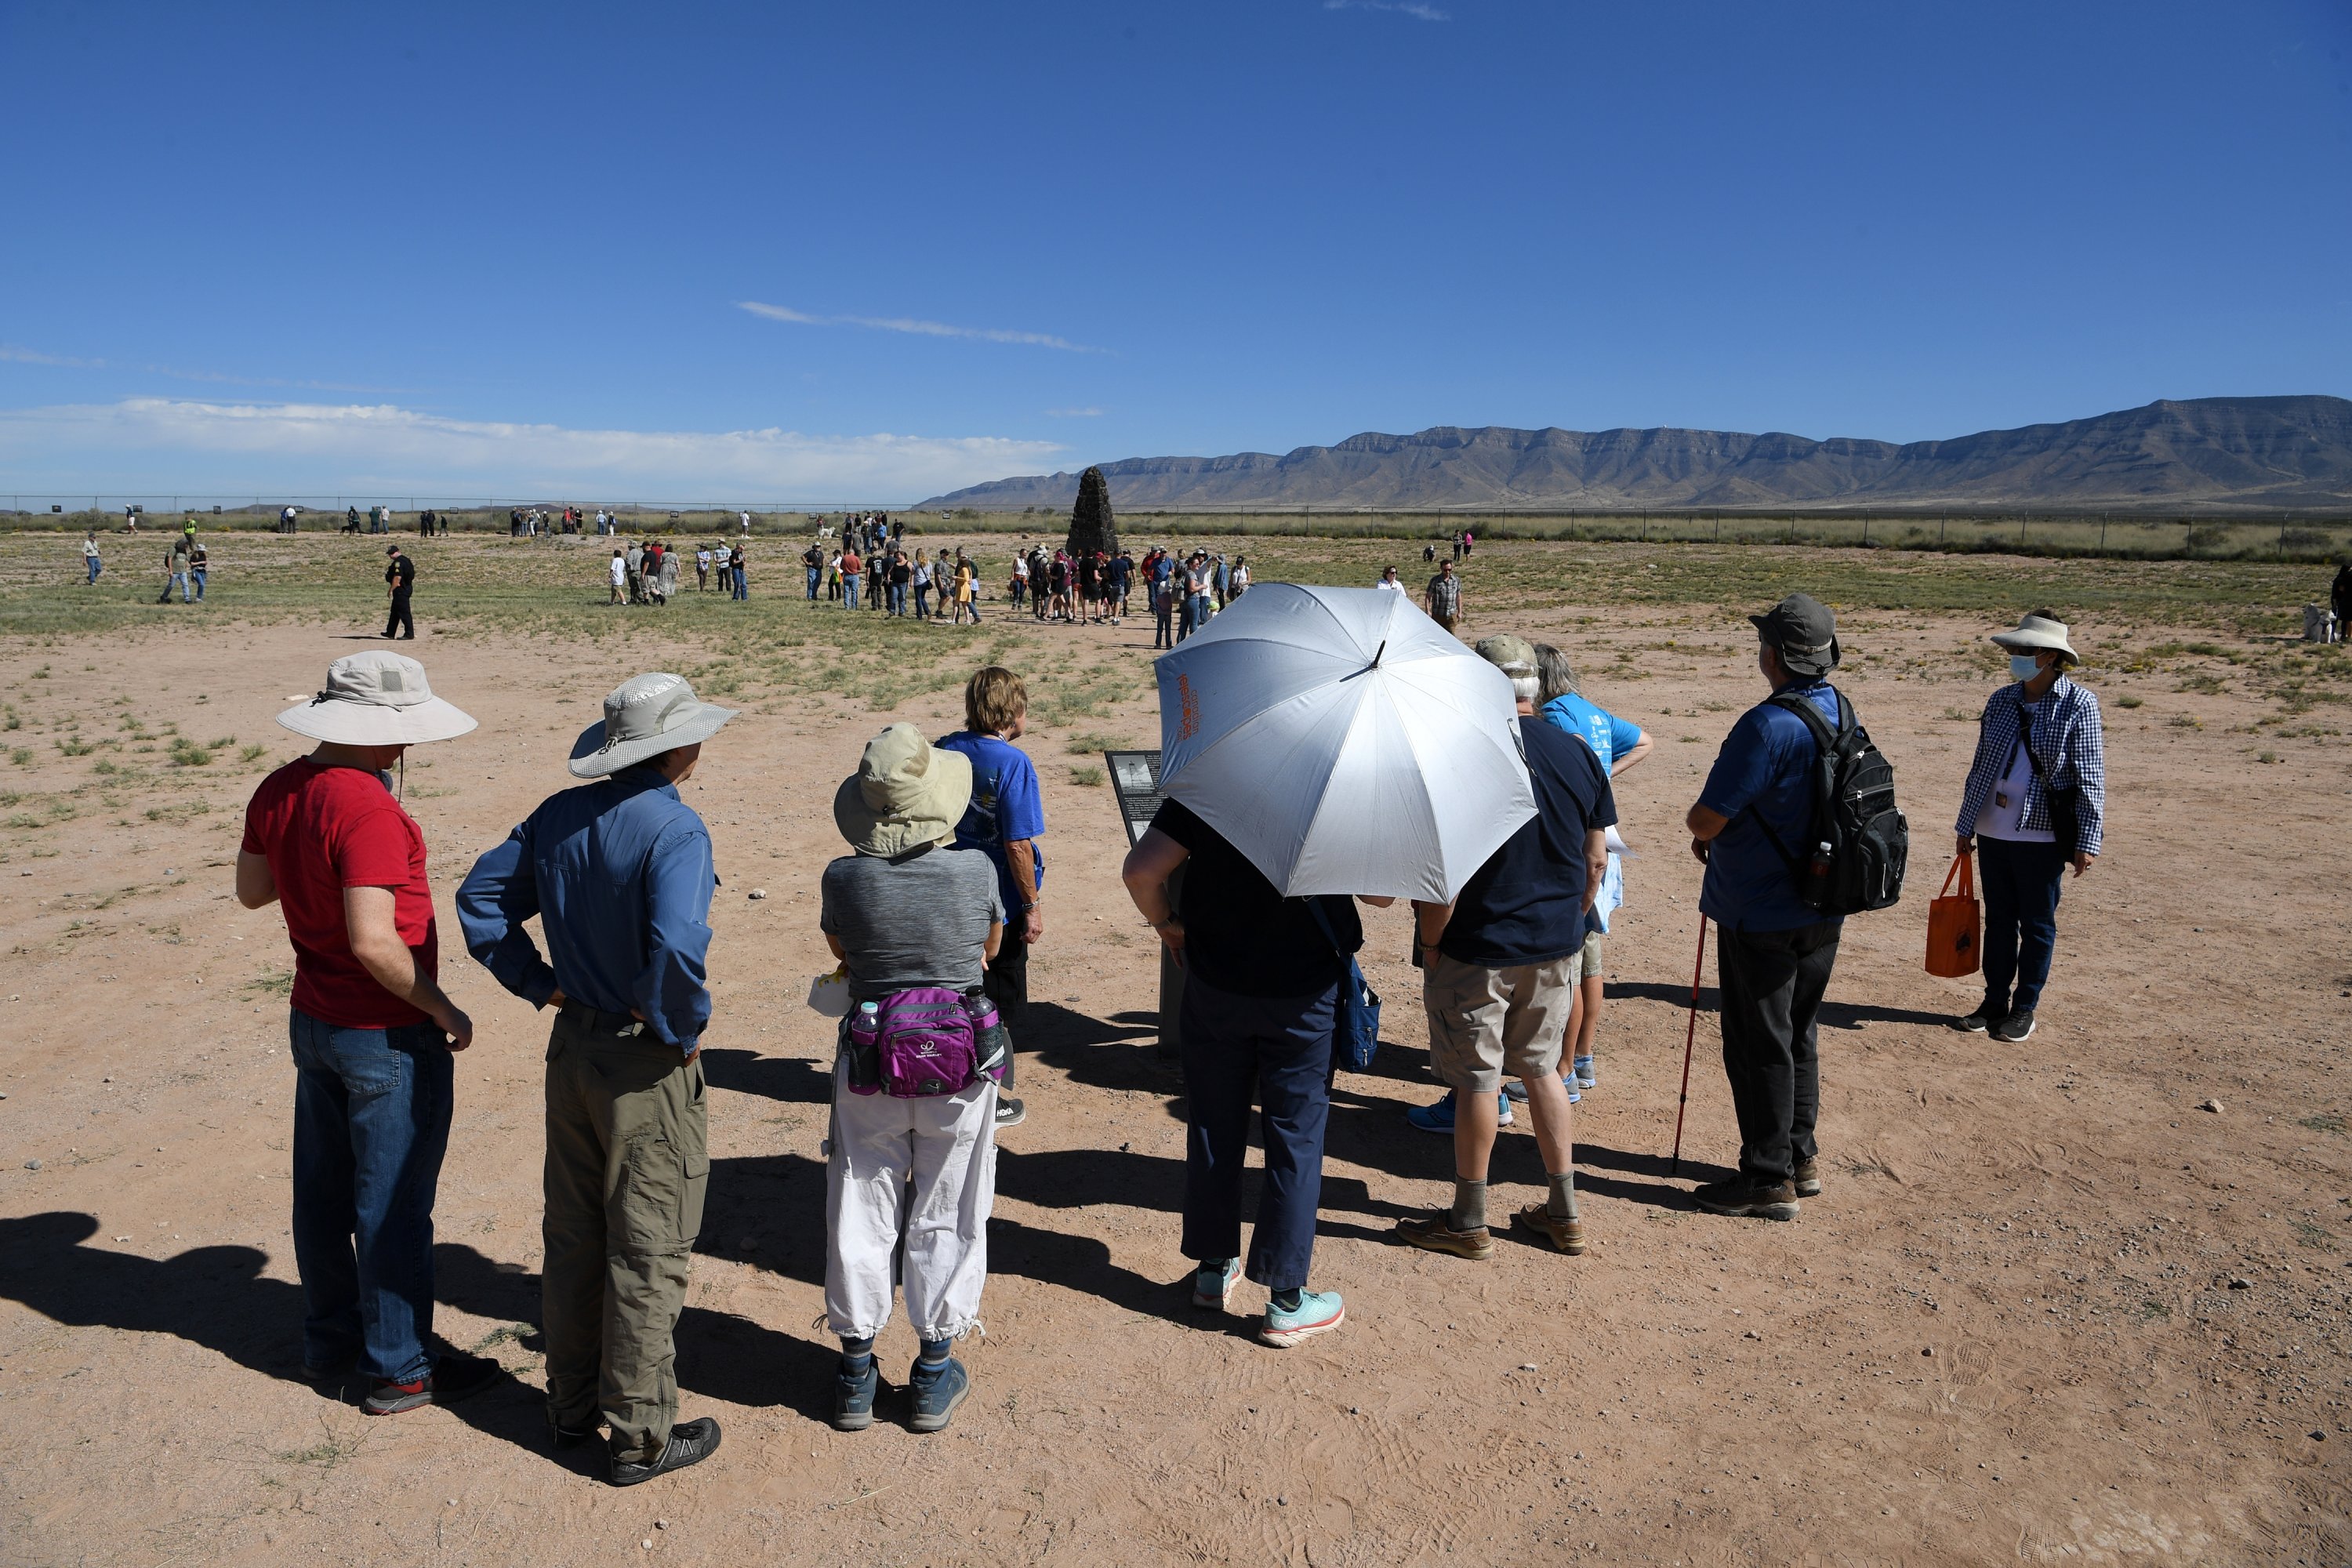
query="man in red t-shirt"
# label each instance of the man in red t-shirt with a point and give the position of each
(371, 1031)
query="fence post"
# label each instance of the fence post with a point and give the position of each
(2102, 533)
(1865, 537)
(2281, 549)
(1940, 521)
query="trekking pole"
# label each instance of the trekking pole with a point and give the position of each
(1698, 967)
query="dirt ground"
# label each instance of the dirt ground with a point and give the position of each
(2047, 1309)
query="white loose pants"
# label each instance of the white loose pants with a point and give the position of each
(948, 1145)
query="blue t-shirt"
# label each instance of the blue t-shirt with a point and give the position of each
(1765, 772)
(1005, 808)
(1526, 904)
(1609, 736)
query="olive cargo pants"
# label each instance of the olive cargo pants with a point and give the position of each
(627, 1166)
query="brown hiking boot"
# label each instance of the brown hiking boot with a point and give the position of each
(1568, 1235)
(1746, 1199)
(1434, 1232)
(1808, 1179)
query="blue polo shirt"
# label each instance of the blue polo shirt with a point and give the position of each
(1005, 808)
(1526, 904)
(1765, 772)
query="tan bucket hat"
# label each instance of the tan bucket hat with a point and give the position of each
(644, 716)
(377, 699)
(905, 793)
(2037, 631)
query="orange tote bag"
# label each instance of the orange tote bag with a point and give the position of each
(1955, 925)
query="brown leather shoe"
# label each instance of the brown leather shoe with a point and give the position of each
(1744, 1199)
(1434, 1232)
(1808, 1179)
(1568, 1235)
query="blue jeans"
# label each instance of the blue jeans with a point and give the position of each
(898, 598)
(371, 1124)
(1196, 614)
(1276, 1052)
(95, 568)
(814, 574)
(849, 589)
(2022, 883)
(196, 574)
(742, 582)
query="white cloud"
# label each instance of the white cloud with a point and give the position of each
(1408, 7)
(1089, 413)
(909, 325)
(158, 445)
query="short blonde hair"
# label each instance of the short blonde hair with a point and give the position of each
(992, 699)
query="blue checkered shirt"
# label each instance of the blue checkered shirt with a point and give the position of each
(2068, 744)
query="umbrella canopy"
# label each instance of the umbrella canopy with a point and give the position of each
(1343, 742)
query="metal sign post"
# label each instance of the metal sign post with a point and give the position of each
(1135, 780)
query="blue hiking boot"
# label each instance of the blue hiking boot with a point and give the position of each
(936, 1392)
(1318, 1312)
(1439, 1117)
(853, 1397)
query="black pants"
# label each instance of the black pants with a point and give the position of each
(400, 619)
(2022, 884)
(1005, 982)
(1772, 985)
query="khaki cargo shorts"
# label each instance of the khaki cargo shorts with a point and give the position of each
(1487, 1025)
(1591, 956)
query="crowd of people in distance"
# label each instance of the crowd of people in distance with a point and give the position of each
(647, 572)
(931, 914)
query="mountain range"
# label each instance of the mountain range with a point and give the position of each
(2205, 454)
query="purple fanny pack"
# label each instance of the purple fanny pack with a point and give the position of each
(924, 1042)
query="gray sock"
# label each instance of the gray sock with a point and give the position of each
(1562, 1204)
(1469, 1211)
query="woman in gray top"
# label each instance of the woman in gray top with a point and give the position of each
(908, 911)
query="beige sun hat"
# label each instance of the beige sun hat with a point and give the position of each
(905, 793)
(644, 716)
(377, 699)
(2037, 631)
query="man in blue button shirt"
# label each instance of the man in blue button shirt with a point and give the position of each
(619, 873)
(1774, 952)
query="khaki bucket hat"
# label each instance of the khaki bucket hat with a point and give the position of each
(377, 699)
(905, 793)
(644, 716)
(2037, 631)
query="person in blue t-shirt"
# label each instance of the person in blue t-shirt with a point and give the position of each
(1620, 745)
(1774, 952)
(1004, 821)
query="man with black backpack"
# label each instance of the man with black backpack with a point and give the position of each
(1798, 828)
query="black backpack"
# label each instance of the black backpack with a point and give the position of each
(1860, 842)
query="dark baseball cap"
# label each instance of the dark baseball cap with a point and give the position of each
(1804, 631)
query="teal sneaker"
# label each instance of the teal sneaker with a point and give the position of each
(1213, 1284)
(935, 1394)
(1319, 1313)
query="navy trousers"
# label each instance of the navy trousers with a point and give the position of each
(1275, 1052)
(2022, 883)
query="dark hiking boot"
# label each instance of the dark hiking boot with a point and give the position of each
(935, 1393)
(570, 1435)
(453, 1377)
(1744, 1199)
(1434, 1232)
(1568, 1235)
(853, 1397)
(690, 1443)
(1807, 1180)
(2015, 1029)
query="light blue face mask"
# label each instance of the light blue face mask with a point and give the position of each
(2024, 665)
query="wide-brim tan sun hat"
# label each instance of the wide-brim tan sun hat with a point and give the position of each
(377, 699)
(644, 716)
(905, 793)
(2035, 632)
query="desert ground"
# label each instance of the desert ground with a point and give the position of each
(2079, 1301)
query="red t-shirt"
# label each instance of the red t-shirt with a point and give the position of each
(324, 829)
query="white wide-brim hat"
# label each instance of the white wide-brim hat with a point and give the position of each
(644, 716)
(2038, 632)
(905, 793)
(377, 699)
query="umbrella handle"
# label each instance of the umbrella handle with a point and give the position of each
(1690, 1034)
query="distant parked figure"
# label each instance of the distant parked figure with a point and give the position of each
(1446, 596)
(742, 581)
(399, 580)
(90, 557)
(2340, 596)
(619, 577)
(702, 569)
(288, 521)
(199, 564)
(175, 572)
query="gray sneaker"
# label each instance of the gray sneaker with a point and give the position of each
(690, 1443)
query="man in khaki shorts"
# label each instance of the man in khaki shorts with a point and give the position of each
(1499, 971)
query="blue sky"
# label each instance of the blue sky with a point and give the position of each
(832, 253)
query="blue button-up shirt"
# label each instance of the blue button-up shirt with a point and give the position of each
(620, 873)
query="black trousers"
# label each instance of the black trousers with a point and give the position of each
(1005, 982)
(399, 620)
(1772, 986)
